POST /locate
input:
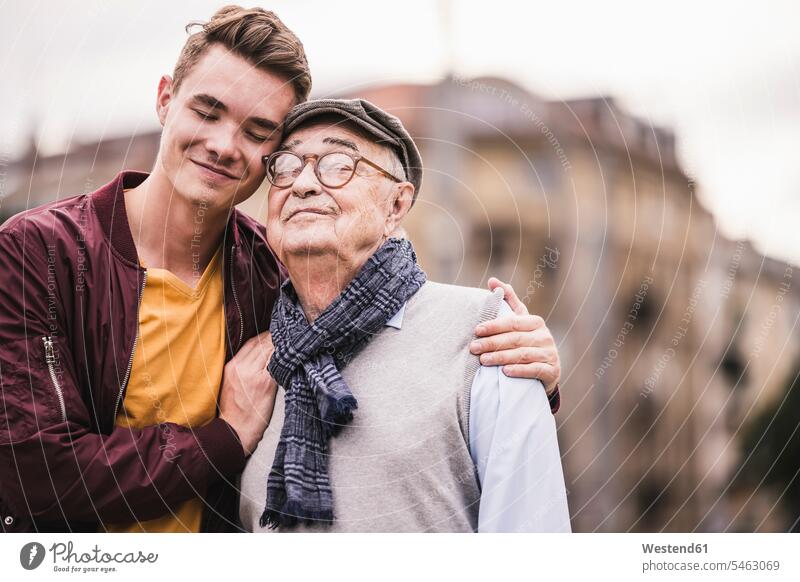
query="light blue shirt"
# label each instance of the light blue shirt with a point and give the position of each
(512, 441)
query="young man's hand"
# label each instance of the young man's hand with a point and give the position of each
(521, 343)
(248, 391)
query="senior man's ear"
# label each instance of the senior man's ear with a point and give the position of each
(399, 203)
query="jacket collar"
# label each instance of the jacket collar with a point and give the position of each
(109, 204)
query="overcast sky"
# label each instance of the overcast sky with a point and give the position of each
(724, 76)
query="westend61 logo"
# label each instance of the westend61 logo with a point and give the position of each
(66, 559)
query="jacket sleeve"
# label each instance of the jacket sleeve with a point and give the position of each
(53, 467)
(554, 399)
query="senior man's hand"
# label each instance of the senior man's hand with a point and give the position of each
(521, 343)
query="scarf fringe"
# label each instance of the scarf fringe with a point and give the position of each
(291, 513)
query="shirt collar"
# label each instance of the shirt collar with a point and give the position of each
(396, 321)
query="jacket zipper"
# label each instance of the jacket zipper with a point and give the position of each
(236, 301)
(133, 350)
(50, 360)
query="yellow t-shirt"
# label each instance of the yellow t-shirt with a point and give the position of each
(177, 368)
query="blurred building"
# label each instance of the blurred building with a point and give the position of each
(669, 333)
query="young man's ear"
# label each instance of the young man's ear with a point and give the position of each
(401, 200)
(165, 94)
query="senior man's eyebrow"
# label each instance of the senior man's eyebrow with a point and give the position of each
(290, 145)
(342, 142)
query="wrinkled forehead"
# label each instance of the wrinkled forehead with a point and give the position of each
(322, 135)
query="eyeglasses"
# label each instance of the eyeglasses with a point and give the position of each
(333, 170)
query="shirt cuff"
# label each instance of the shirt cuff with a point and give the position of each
(555, 400)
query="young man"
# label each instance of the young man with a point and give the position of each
(133, 373)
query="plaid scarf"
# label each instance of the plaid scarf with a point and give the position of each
(307, 363)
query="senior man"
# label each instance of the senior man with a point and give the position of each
(389, 423)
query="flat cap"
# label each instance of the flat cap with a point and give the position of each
(387, 129)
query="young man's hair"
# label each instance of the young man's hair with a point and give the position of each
(257, 36)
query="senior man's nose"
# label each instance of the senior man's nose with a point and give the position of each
(306, 184)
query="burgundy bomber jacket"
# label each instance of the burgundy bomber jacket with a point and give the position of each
(70, 285)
